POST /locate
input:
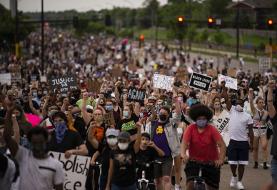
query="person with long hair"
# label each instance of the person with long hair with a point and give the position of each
(260, 117)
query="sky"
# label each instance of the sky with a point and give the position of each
(79, 5)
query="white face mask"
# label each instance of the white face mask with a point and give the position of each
(239, 108)
(112, 141)
(224, 106)
(123, 146)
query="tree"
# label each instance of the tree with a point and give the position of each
(218, 8)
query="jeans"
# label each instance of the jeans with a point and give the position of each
(131, 187)
(274, 171)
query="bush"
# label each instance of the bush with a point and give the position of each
(219, 38)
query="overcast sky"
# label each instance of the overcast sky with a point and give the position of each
(79, 5)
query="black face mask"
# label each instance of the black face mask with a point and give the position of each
(163, 118)
(39, 150)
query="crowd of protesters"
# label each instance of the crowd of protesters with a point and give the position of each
(169, 130)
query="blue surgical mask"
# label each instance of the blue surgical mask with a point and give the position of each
(60, 129)
(201, 123)
(125, 114)
(109, 107)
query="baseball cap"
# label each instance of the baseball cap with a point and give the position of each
(112, 132)
(124, 135)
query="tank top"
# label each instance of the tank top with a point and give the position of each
(260, 118)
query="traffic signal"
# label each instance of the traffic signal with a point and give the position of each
(270, 23)
(180, 21)
(211, 22)
(141, 40)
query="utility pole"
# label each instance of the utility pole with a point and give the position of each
(42, 37)
(16, 30)
(238, 27)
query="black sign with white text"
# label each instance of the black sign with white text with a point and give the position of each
(63, 84)
(136, 95)
(199, 81)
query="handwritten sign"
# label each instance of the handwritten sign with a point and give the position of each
(109, 119)
(163, 82)
(6, 78)
(229, 82)
(221, 123)
(136, 95)
(199, 81)
(75, 169)
(63, 84)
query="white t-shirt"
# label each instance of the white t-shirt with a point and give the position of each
(38, 174)
(238, 125)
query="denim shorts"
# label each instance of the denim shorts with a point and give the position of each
(274, 171)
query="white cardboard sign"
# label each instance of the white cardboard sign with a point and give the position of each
(6, 78)
(75, 169)
(230, 82)
(163, 82)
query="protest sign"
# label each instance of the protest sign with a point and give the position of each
(63, 84)
(199, 81)
(230, 82)
(232, 72)
(43, 79)
(163, 82)
(109, 119)
(212, 72)
(221, 123)
(181, 73)
(94, 85)
(75, 169)
(116, 72)
(136, 95)
(6, 78)
(264, 64)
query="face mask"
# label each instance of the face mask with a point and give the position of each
(35, 94)
(123, 146)
(60, 130)
(109, 107)
(239, 108)
(201, 123)
(125, 114)
(39, 150)
(112, 141)
(163, 118)
(141, 115)
(174, 115)
(180, 99)
(224, 106)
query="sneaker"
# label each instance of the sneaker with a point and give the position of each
(233, 182)
(256, 165)
(240, 186)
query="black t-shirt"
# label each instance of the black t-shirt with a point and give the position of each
(70, 141)
(129, 125)
(146, 156)
(274, 139)
(124, 169)
(105, 160)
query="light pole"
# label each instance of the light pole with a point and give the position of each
(237, 26)
(42, 37)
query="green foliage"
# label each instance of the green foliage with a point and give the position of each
(204, 35)
(219, 38)
(126, 33)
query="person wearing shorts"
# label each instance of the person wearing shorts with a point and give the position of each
(260, 117)
(240, 127)
(206, 149)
